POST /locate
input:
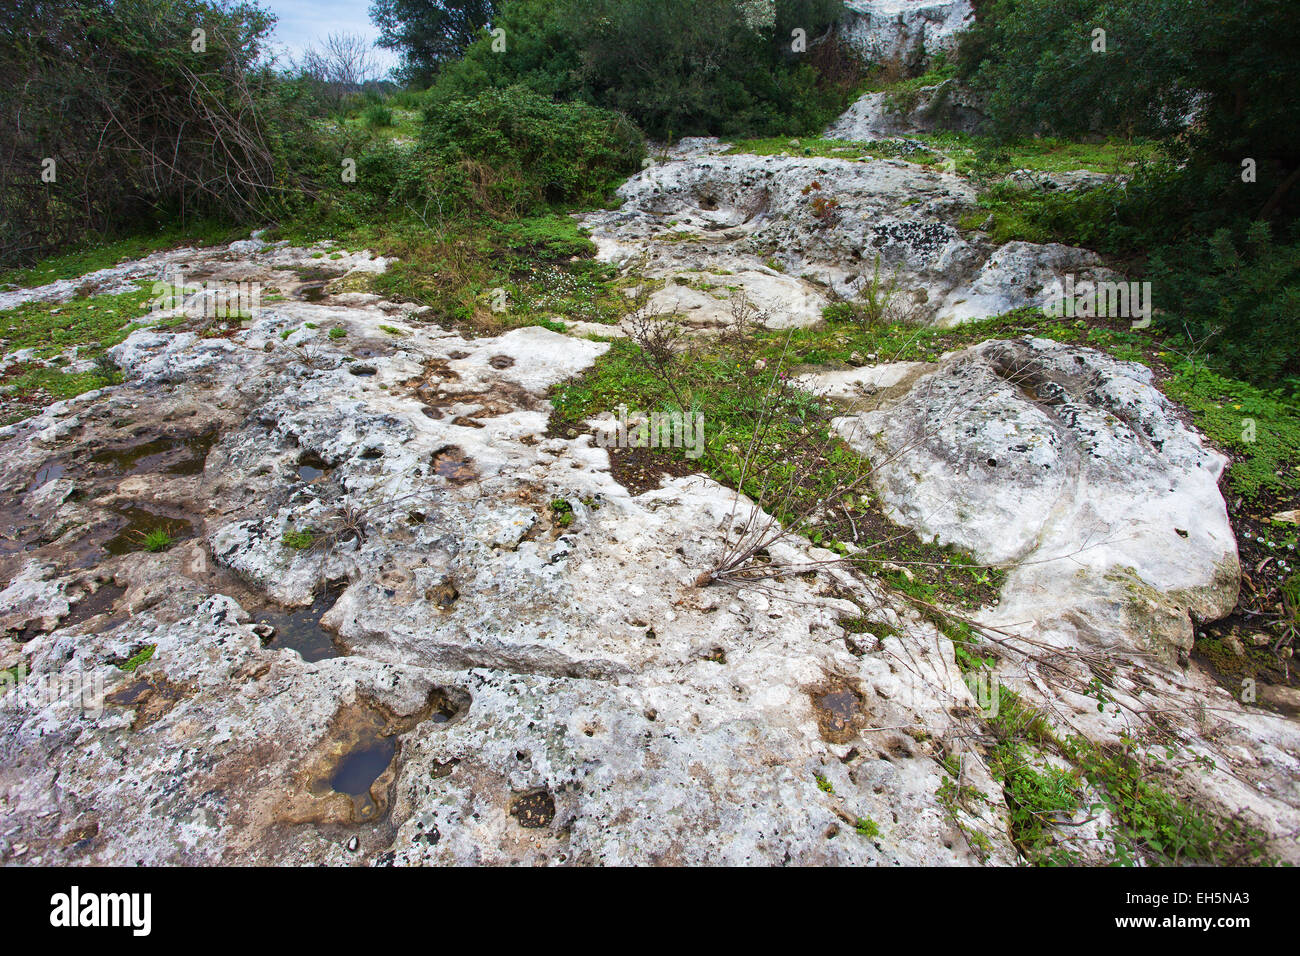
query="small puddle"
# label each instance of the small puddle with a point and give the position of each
(140, 521)
(173, 455)
(357, 758)
(312, 293)
(300, 629)
(47, 473)
(360, 767)
(453, 464)
(311, 466)
(372, 751)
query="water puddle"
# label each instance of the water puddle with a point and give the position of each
(371, 748)
(312, 293)
(173, 455)
(360, 767)
(300, 629)
(141, 522)
(312, 466)
(349, 775)
(453, 464)
(47, 473)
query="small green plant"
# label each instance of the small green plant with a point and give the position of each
(298, 540)
(563, 512)
(337, 332)
(867, 827)
(823, 784)
(131, 663)
(157, 540)
(377, 116)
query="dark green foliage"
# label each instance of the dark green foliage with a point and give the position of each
(1220, 279)
(142, 126)
(428, 33)
(1240, 296)
(512, 151)
(676, 67)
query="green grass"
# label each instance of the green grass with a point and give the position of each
(728, 388)
(102, 254)
(95, 323)
(157, 540)
(1151, 823)
(985, 156)
(337, 332)
(298, 540)
(1222, 408)
(543, 264)
(834, 149)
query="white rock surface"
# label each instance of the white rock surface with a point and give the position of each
(783, 230)
(558, 693)
(549, 685)
(1029, 454)
(886, 29)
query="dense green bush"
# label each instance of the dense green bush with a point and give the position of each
(1219, 88)
(675, 67)
(1239, 295)
(512, 152)
(141, 123)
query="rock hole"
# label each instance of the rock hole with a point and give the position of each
(452, 463)
(311, 466)
(301, 630)
(533, 809)
(142, 521)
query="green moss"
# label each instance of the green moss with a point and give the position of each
(299, 540)
(94, 323)
(130, 664)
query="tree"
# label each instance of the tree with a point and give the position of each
(676, 67)
(342, 64)
(428, 33)
(1215, 79)
(138, 117)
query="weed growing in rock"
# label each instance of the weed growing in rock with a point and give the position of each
(141, 656)
(298, 540)
(157, 540)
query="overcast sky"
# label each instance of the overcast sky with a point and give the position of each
(303, 23)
